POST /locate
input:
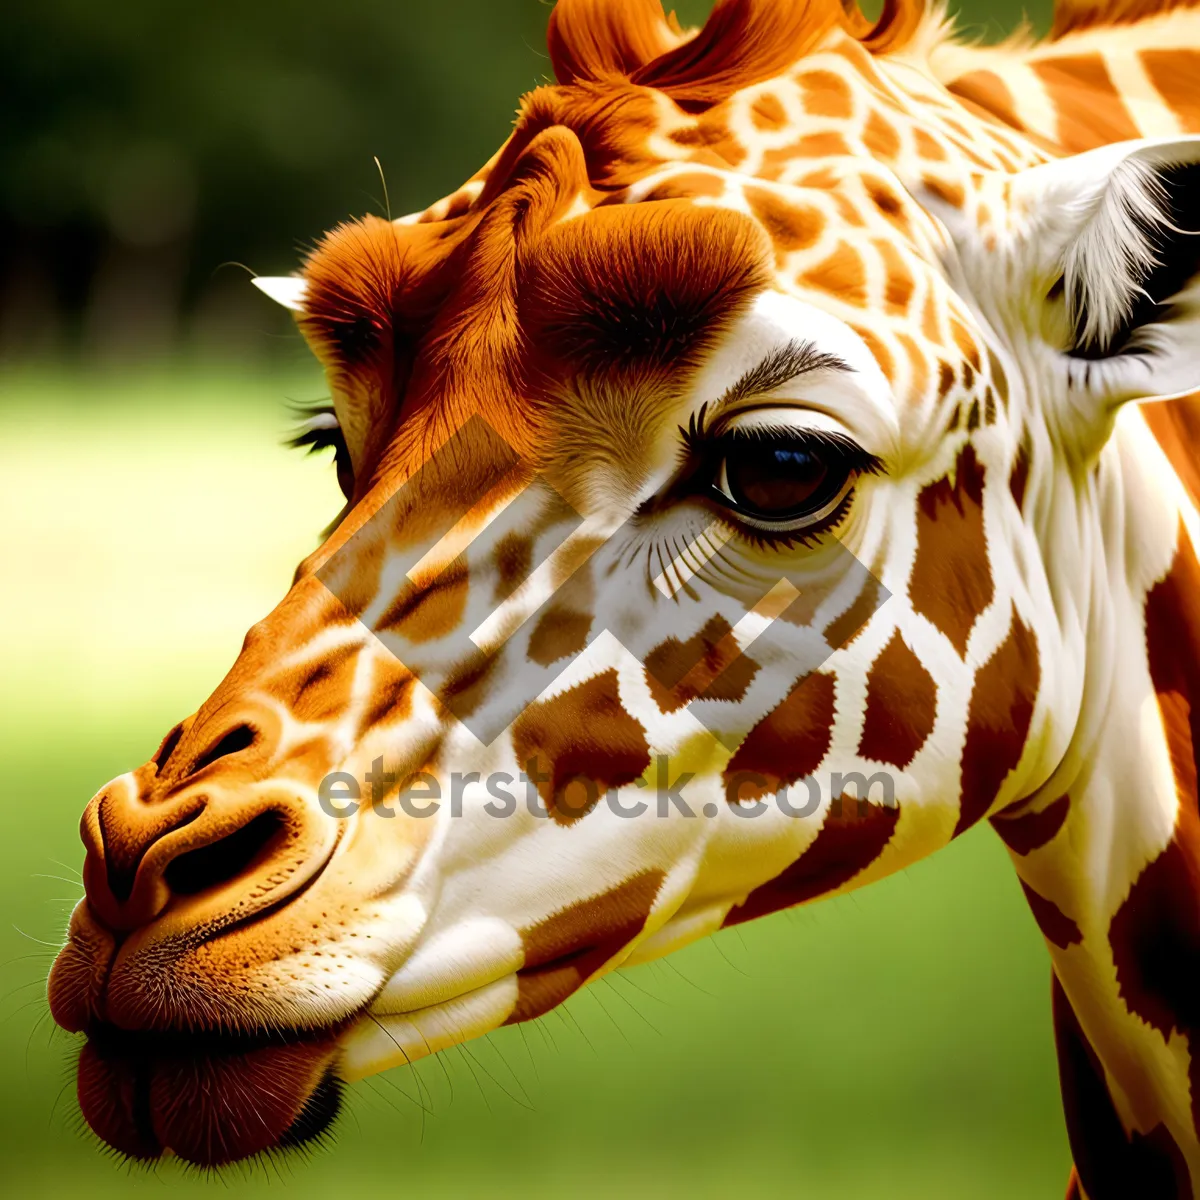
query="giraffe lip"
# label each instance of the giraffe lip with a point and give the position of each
(210, 1099)
(318, 1115)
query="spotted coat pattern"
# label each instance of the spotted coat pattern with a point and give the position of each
(670, 204)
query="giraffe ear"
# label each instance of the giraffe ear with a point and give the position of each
(1112, 242)
(288, 290)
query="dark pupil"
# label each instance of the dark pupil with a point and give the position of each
(774, 479)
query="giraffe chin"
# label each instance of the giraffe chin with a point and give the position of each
(209, 1103)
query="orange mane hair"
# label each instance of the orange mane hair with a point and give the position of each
(1070, 16)
(741, 43)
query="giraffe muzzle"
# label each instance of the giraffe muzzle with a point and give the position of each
(223, 947)
(199, 860)
(207, 837)
(206, 830)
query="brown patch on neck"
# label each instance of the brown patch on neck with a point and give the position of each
(709, 665)
(1026, 832)
(565, 949)
(901, 706)
(1155, 934)
(1018, 478)
(853, 836)
(787, 744)
(1176, 427)
(1173, 73)
(1055, 925)
(998, 721)
(1112, 1164)
(1089, 108)
(985, 92)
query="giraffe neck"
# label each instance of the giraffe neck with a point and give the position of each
(1108, 851)
(1099, 80)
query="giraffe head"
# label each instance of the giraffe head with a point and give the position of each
(690, 567)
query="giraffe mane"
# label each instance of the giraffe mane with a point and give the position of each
(1071, 16)
(741, 43)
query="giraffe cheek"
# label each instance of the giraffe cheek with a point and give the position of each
(426, 613)
(901, 706)
(579, 744)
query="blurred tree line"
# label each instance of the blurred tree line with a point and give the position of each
(144, 143)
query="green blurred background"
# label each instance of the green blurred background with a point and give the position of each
(892, 1043)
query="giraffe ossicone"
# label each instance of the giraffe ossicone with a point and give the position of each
(764, 413)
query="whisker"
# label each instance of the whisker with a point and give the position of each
(39, 941)
(479, 1085)
(611, 981)
(483, 1068)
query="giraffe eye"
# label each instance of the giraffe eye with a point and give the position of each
(785, 481)
(321, 431)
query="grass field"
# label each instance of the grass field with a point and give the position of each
(893, 1043)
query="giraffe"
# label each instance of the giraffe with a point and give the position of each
(776, 406)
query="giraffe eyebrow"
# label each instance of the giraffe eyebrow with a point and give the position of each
(782, 365)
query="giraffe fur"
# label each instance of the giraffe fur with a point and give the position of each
(974, 261)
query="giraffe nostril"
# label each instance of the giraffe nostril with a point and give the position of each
(164, 752)
(122, 860)
(240, 737)
(223, 860)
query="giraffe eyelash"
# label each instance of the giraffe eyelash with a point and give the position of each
(837, 445)
(321, 430)
(702, 436)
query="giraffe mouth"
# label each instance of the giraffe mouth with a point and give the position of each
(182, 1059)
(208, 1100)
